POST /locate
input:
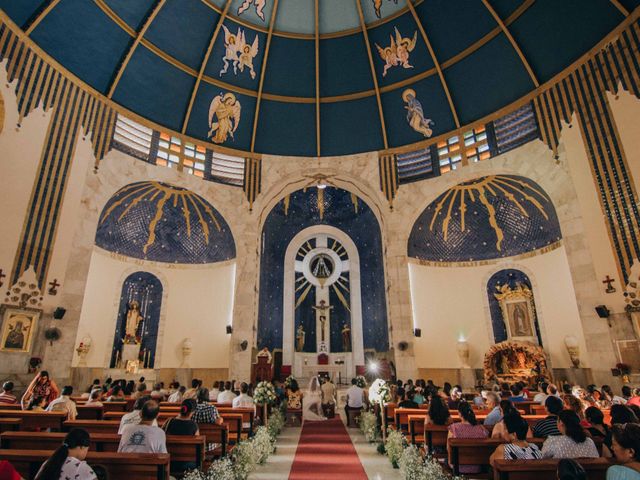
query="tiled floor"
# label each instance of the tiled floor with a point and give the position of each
(279, 464)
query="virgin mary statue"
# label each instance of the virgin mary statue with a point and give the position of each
(312, 406)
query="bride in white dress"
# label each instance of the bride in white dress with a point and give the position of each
(312, 407)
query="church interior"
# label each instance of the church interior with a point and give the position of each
(348, 214)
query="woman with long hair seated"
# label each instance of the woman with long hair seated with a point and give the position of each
(68, 460)
(517, 447)
(438, 413)
(183, 425)
(573, 441)
(626, 447)
(500, 429)
(598, 429)
(468, 427)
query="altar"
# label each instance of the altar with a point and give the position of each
(313, 370)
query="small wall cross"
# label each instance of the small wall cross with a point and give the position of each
(609, 281)
(53, 290)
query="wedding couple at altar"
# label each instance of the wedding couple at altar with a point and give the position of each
(320, 396)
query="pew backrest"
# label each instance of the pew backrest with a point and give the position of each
(248, 416)
(36, 420)
(218, 435)
(596, 469)
(8, 424)
(89, 412)
(93, 426)
(467, 451)
(435, 436)
(141, 466)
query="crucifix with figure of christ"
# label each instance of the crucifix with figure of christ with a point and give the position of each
(322, 309)
(609, 281)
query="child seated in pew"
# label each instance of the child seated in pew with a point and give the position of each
(517, 447)
(37, 404)
(183, 425)
(67, 462)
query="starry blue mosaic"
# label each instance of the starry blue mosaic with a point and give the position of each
(360, 223)
(164, 223)
(488, 217)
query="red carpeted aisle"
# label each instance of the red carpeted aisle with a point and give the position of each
(325, 451)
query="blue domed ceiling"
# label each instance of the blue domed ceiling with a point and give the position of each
(250, 75)
(485, 218)
(164, 223)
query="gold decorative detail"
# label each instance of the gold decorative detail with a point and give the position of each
(518, 311)
(397, 53)
(150, 191)
(226, 109)
(479, 189)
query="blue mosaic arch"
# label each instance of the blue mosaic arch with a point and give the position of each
(511, 277)
(164, 223)
(339, 209)
(489, 217)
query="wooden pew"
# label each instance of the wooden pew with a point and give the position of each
(89, 412)
(114, 406)
(141, 466)
(182, 448)
(401, 417)
(36, 420)
(248, 416)
(596, 469)
(389, 413)
(13, 406)
(93, 426)
(234, 421)
(416, 429)
(464, 451)
(436, 437)
(538, 409)
(217, 435)
(162, 416)
(526, 406)
(8, 424)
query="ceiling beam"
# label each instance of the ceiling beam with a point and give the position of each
(272, 22)
(203, 65)
(363, 27)
(317, 45)
(620, 7)
(36, 21)
(513, 42)
(443, 82)
(125, 61)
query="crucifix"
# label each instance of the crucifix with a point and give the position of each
(2, 275)
(53, 287)
(609, 281)
(322, 309)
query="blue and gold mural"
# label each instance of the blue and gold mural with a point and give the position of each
(165, 223)
(345, 211)
(489, 217)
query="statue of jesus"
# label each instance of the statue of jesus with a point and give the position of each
(133, 321)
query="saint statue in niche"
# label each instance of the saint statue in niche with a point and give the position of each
(133, 321)
(300, 334)
(346, 338)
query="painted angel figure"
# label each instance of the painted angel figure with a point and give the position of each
(397, 53)
(415, 114)
(247, 54)
(259, 4)
(224, 108)
(232, 45)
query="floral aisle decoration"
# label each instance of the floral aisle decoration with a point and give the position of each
(276, 423)
(263, 445)
(244, 460)
(414, 467)
(394, 446)
(265, 395)
(369, 426)
(361, 381)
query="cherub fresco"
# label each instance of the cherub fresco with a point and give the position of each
(415, 114)
(238, 52)
(377, 5)
(224, 117)
(259, 4)
(397, 53)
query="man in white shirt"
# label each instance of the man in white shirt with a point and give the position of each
(176, 397)
(133, 418)
(64, 404)
(542, 395)
(355, 396)
(213, 393)
(144, 437)
(243, 400)
(226, 395)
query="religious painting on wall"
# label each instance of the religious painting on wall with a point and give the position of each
(18, 327)
(518, 311)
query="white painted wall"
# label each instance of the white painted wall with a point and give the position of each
(197, 303)
(452, 302)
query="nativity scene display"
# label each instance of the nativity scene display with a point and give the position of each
(516, 361)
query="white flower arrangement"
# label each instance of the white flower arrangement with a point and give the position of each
(288, 381)
(361, 381)
(265, 394)
(244, 460)
(394, 446)
(263, 445)
(379, 392)
(369, 426)
(276, 423)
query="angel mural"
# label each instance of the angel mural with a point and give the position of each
(259, 4)
(397, 53)
(225, 108)
(377, 5)
(415, 114)
(238, 52)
